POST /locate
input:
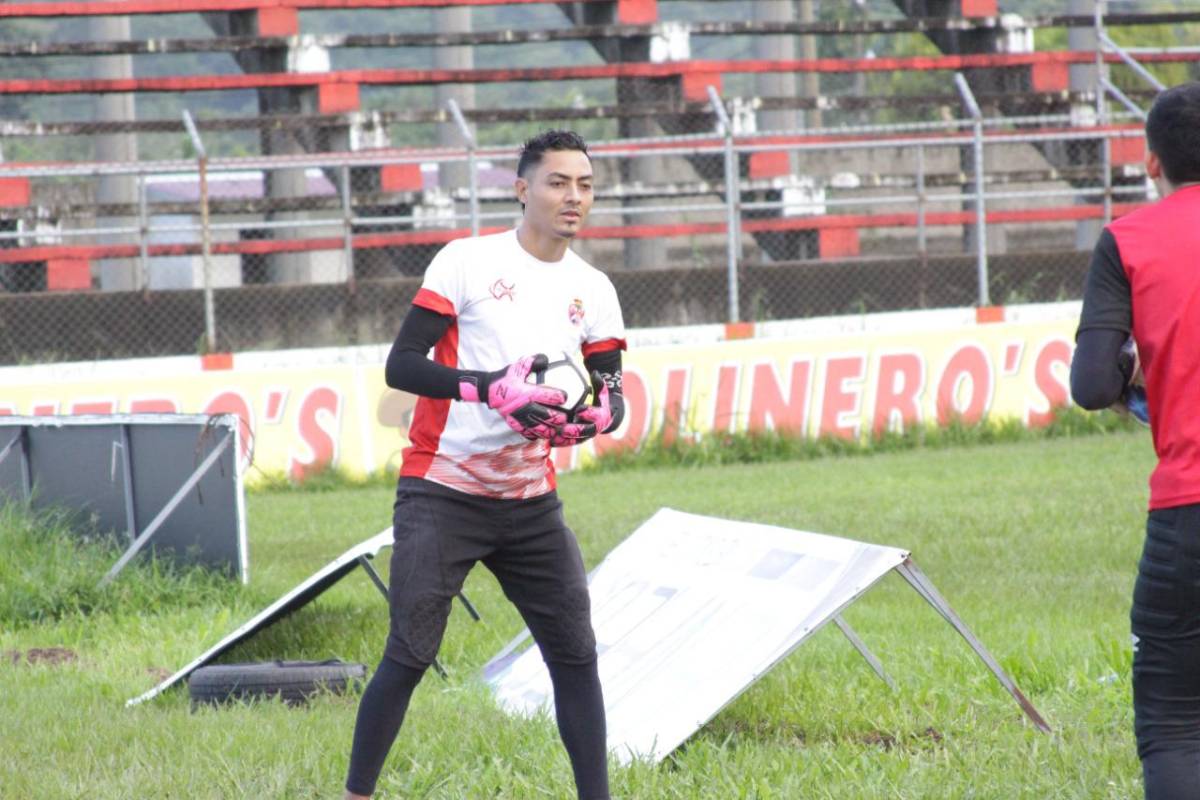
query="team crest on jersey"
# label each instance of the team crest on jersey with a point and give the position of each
(501, 290)
(575, 311)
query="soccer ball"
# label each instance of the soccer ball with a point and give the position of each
(1133, 396)
(563, 373)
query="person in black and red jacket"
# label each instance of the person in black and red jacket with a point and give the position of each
(1144, 282)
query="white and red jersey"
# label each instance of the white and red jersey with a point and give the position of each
(505, 304)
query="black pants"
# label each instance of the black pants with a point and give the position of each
(1165, 621)
(441, 533)
(439, 536)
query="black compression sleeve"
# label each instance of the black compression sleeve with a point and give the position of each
(1107, 301)
(409, 367)
(1097, 376)
(608, 364)
(1097, 379)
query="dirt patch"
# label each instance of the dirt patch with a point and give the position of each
(880, 739)
(887, 741)
(933, 734)
(52, 656)
(159, 674)
(772, 730)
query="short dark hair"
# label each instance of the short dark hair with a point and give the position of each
(1173, 132)
(533, 150)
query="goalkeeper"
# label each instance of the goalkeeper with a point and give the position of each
(1144, 280)
(477, 483)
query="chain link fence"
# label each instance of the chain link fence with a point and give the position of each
(114, 260)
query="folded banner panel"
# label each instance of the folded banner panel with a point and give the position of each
(689, 611)
(169, 483)
(303, 594)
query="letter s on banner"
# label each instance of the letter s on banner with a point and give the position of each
(321, 441)
(1051, 354)
(968, 364)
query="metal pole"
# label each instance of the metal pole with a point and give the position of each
(127, 479)
(1102, 107)
(732, 226)
(166, 510)
(143, 233)
(863, 650)
(210, 321)
(1123, 99)
(922, 234)
(922, 245)
(347, 229)
(472, 176)
(980, 213)
(917, 579)
(1144, 73)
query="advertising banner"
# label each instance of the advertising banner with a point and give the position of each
(845, 377)
(689, 611)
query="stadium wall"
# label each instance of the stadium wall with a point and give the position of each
(833, 376)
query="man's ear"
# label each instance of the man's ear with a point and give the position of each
(522, 188)
(1153, 165)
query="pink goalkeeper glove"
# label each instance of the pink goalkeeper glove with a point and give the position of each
(524, 406)
(588, 421)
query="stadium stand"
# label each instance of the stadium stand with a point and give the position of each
(342, 163)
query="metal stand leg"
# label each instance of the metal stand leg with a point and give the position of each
(467, 605)
(861, 647)
(131, 524)
(20, 441)
(11, 443)
(171, 505)
(908, 570)
(365, 562)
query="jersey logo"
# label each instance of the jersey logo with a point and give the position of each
(501, 290)
(575, 312)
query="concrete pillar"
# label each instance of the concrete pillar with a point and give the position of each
(649, 252)
(453, 20)
(811, 81)
(302, 267)
(314, 266)
(115, 274)
(779, 48)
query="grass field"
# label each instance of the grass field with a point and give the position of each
(1034, 543)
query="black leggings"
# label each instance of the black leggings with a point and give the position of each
(1166, 660)
(578, 703)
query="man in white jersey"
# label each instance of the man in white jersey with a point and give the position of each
(477, 482)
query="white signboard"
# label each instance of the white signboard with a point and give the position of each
(689, 611)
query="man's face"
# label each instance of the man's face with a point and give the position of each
(557, 193)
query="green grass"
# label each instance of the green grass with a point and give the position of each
(1034, 542)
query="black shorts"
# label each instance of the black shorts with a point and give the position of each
(1166, 626)
(440, 533)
